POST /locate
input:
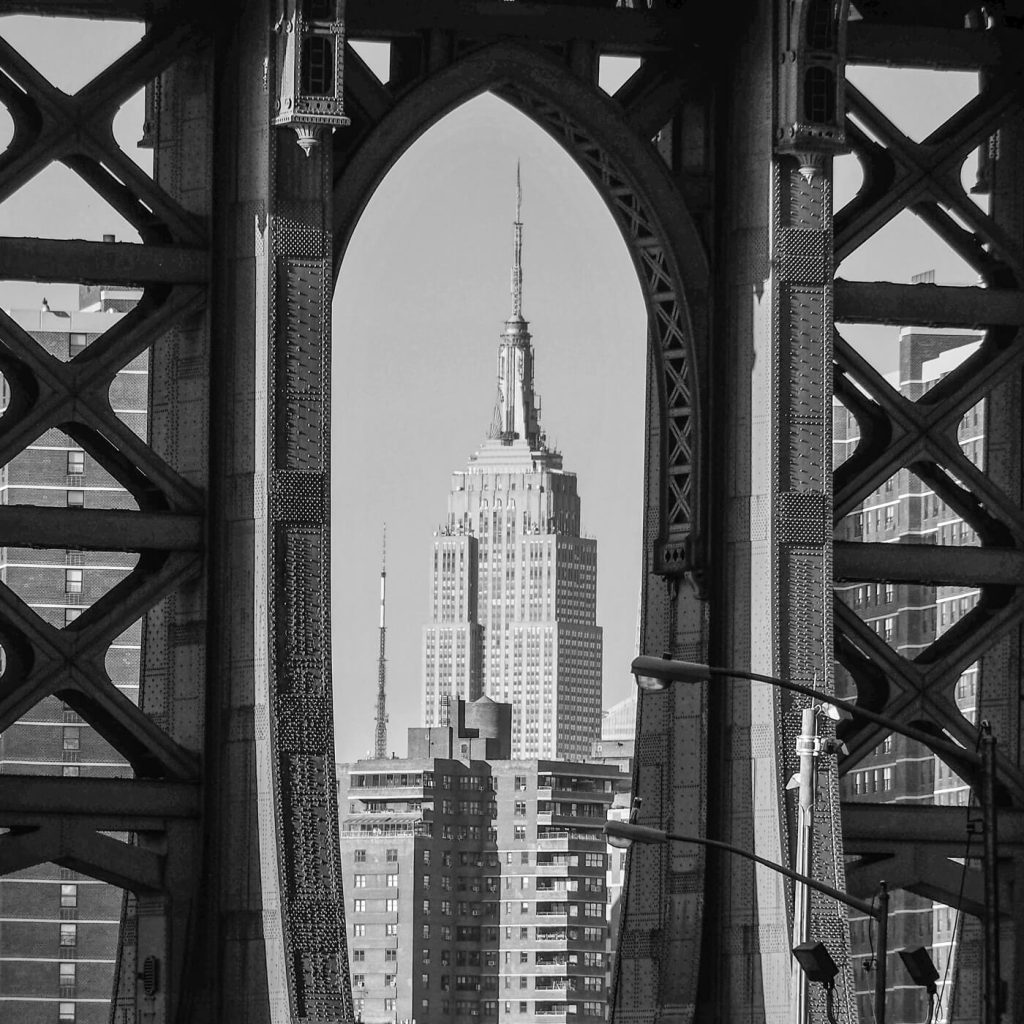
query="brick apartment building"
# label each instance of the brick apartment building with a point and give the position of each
(58, 928)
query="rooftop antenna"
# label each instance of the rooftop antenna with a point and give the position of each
(517, 265)
(380, 737)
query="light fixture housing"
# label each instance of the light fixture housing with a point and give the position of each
(816, 962)
(920, 967)
(656, 674)
(622, 833)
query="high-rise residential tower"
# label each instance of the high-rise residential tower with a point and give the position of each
(513, 584)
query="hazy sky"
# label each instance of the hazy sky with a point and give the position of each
(422, 297)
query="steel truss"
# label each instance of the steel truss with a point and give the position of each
(898, 433)
(234, 866)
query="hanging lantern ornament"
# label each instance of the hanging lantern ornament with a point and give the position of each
(310, 61)
(810, 116)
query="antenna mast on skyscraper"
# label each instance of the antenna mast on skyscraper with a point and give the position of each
(517, 264)
(380, 739)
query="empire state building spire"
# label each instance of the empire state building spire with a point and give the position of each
(517, 262)
(517, 410)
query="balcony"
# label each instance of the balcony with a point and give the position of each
(552, 909)
(552, 985)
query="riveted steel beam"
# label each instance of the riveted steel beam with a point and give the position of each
(926, 305)
(873, 829)
(928, 563)
(618, 29)
(103, 804)
(47, 259)
(31, 526)
(919, 46)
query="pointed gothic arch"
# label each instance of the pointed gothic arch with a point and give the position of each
(656, 227)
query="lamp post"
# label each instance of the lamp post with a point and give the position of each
(622, 830)
(655, 674)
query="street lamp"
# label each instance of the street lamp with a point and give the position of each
(817, 964)
(624, 831)
(656, 674)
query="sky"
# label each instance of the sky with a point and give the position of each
(422, 296)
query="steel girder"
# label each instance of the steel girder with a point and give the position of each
(232, 871)
(898, 433)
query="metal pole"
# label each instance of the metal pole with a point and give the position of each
(883, 952)
(990, 868)
(806, 748)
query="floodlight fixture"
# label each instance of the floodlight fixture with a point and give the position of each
(920, 967)
(816, 962)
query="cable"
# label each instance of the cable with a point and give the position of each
(829, 1009)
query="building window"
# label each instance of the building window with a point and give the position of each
(72, 737)
(69, 934)
(66, 1013)
(426, 931)
(75, 499)
(391, 929)
(359, 881)
(73, 581)
(69, 895)
(426, 857)
(76, 342)
(522, 1007)
(67, 975)
(392, 880)
(524, 933)
(391, 855)
(520, 808)
(426, 906)
(359, 906)
(359, 981)
(391, 906)
(389, 980)
(70, 614)
(389, 1005)
(521, 782)
(359, 931)
(76, 463)
(519, 832)
(71, 771)
(524, 981)
(359, 856)
(358, 956)
(391, 956)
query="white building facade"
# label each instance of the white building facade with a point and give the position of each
(514, 585)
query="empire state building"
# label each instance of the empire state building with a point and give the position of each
(513, 584)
